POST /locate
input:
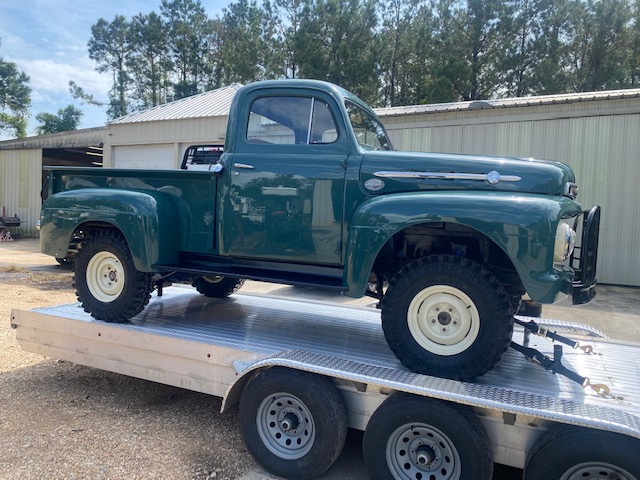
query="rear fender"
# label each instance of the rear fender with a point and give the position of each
(148, 220)
(523, 226)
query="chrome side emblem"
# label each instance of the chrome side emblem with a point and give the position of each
(493, 177)
(374, 184)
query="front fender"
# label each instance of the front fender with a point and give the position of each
(523, 226)
(148, 220)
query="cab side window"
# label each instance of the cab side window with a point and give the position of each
(290, 121)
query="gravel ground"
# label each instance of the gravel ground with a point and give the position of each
(63, 421)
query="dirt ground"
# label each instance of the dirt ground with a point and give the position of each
(63, 421)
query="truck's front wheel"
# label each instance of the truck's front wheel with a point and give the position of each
(447, 316)
(107, 282)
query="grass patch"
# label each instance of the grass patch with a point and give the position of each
(13, 269)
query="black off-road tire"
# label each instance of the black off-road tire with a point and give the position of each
(447, 316)
(64, 262)
(217, 287)
(107, 282)
(294, 423)
(572, 453)
(410, 437)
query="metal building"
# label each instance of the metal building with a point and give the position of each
(598, 134)
(21, 162)
(157, 138)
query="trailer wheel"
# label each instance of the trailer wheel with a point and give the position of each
(411, 438)
(447, 316)
(293, 423)
(217, 286)
(574, 453)
(107, 282)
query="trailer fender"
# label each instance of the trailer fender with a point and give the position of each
(149, 221)
(523, 226)
(389, 380)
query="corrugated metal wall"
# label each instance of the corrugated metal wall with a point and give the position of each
(20, 185)
(600, 140)
(181, 133)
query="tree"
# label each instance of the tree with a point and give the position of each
(186, 24)
(149, 61)
(288, 15)
(552, 71)
(15, 99)
(467, 47)
(110, 47)
(336, 42)
(405, 49)
(634, 54)
(599, 52)
(521, 29)
(67, 119)
(247, 30)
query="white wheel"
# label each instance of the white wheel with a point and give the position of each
(105, 277)
(443, 320)
(107, 282)
(447, 316)
(212, 278)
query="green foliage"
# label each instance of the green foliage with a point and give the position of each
(186, 27)
(67, 119)
(110, 47)
(149, 62)
(336, 42)
(15, 99)
(390, 52)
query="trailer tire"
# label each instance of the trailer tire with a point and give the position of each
(293, 423)
(447, 316)
(410, 437)
(216, 286)
(574, 453)
(107, 282)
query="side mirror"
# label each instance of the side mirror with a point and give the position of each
(217, 168)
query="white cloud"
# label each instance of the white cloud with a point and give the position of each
(54, 76)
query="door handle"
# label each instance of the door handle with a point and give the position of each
(243, 166)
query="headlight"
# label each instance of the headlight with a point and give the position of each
(565, 241)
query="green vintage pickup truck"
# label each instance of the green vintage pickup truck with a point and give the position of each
(309, 191)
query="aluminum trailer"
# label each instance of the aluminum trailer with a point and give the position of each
(304, 371)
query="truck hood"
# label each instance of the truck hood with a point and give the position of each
(389, 171)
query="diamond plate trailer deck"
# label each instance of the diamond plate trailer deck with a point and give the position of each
(216, 346)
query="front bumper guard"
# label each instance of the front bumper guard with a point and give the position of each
(584, 258)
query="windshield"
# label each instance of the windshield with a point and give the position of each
(369, 132)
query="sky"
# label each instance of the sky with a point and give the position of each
(47, 39)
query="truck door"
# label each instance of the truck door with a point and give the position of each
(286, 181)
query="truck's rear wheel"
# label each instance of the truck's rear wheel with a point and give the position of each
(412, 438)
(217, 286)
(293, 423)
(573, 453)
(107, 282)
(447, 316)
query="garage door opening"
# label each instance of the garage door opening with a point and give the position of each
(89, 156)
